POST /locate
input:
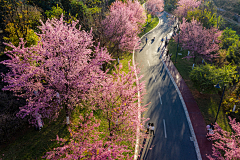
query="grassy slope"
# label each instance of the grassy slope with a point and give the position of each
(207, 103)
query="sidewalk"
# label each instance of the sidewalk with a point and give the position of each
(196, 117)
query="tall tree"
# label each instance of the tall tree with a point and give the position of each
(184, 6)
(55, 73)
(155, 6)
(198, 40)
(121, 26)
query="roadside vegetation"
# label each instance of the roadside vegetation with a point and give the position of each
(26, 142)
(209, 54)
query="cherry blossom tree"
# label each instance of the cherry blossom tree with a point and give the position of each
(226, 144)
(55, 73)
(198, 40)
(155, 6)
(115, 99)
(122, 26)
(184, 6)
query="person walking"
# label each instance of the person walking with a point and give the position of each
(167, 54)
(165, 44)
(152, 130)
(209, 132)
(146, 40)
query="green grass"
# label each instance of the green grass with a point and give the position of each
(149, 26)
(207, 103)
(33, 144)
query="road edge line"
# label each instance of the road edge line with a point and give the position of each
(186, 113)
(139, 115)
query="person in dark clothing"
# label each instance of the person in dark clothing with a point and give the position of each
(149, 124)
(167, 54)
(146, 40)
(153, 39)
(165, 44)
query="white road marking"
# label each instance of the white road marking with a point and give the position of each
(165, 132)
(148, 63)
(191, 139)
(154, 77)
(160, 97)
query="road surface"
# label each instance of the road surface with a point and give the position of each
(173, 139)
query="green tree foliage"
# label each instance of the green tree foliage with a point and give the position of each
(31, 37)
(207, 18)
(82, 13)
(21, 21)
(232, 98)
(204, 77)
(233, 54)
(228, 38)
(55, 12)
(44, 4)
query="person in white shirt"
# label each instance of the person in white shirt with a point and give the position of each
(152, 130)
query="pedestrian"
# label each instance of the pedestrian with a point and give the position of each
(146, 40)
(167, 54)
(148, 128)
(153, 39)
(165, 44)
(152, 130)
(209, 132)
(162, 40)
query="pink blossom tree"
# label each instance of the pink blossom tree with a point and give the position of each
(55, 73)
(198, 40)
(184, 6)
(226, 144)
(115, 99)
(122, 26)
(155, 6)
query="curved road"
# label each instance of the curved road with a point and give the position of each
(172, 139)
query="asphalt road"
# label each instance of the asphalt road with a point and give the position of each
(172, 139)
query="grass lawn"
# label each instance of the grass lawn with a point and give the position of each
(149, 26)
(207, 103)
(32, 144)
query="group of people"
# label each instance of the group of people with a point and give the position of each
(152, 39)
(150, 127)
